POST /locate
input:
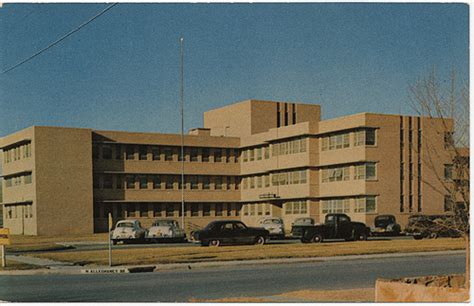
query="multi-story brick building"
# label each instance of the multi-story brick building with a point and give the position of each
(251, 160)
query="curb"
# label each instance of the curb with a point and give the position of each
(197, 265)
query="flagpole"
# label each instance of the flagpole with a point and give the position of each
(181, 42)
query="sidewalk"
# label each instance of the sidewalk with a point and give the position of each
(56, 267)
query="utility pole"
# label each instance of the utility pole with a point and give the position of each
(181, 45)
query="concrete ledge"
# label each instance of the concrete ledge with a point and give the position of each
(116, 270)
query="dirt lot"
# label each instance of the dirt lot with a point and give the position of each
(304, 296)
(178, 254)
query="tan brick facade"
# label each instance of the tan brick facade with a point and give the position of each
(252, 159)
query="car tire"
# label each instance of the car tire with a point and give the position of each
(433, 236)
(317, 238)
(114, 242)
(214, 242)
(259, 240)
(417, 237)
(362, 236)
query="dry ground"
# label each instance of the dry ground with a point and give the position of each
(48, 243)
(178, 254)
(346, 295)
(14, 265)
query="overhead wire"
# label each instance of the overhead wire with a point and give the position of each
(60, 39)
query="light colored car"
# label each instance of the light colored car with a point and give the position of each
(274, 226)
(128, 231)
(165, 230)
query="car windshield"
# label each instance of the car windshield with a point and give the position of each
(383, 218)
(304, 221)
(125, 224)
(163, 223)
(272, 221)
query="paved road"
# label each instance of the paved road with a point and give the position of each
(211, 283)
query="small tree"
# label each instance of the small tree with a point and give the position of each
(449, 103)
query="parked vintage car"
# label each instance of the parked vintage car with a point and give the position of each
(431, 226)
(385, 225)
(128, 231)
(165, 230)
(336, 226)
(274, 226)
(230, 232)
(299, 225)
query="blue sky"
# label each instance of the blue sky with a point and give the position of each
(121, 72)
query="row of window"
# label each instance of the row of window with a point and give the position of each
(172, 182)
(17, 153)
(295, 207)
(18, 180)
(18, 211)
(280, 148)
(153, 210)
(161, 153)
(278, 178)
(365, 137)
(367, 204)
(366, 171)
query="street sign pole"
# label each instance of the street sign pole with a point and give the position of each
(4, 240)
(4, 257)
(110, 239)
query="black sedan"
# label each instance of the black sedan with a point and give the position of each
(230, 232)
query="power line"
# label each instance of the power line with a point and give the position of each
(60, 39)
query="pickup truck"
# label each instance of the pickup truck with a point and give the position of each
(336, 226)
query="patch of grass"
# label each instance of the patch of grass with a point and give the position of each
(178, 254)
(345, 295)
(15, 265)
(21, 243)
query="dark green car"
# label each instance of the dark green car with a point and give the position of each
(230, 232)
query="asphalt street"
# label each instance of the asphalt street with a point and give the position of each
(212, 283)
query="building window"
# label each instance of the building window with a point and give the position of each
(218, 182)
(157, 210)
(266, 152)
(143, 153)
(303, 177)
(27, 178)
(106, 152)
(251, 154)
(217, 155)
(155, 152)
(227, 155)
(130, 182)
(168, 154)
(194, 210)
(130, 152)
(143, 210)
(143, 182)
(206, 183)
(259, 153)
(335, 174)
(118, 152)
(157, 182)
(336, 205)
(206, 210)
(244, 156)
(252, 182)
(194, 182)
(218, 209)
(259, 181)
(194, 154)
(205, 155)
(169, 210)
(370, 204)
(448, 203)
(365, 171)
(267, 180)
(448, 172)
